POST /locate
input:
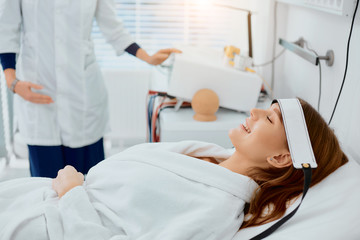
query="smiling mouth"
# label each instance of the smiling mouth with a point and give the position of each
(246, 128)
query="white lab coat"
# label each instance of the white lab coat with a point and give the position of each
(53, 40)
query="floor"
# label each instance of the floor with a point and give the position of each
(17, 168)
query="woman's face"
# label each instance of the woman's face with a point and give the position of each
(261, 136)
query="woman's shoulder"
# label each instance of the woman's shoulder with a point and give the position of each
(190, 147)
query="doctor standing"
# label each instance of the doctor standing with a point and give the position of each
(61, 101)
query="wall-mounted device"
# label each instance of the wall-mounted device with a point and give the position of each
(338, 7)
(298, 48)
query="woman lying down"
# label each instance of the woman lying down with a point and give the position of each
(172, 191)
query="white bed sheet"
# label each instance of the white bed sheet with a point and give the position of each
(330, 210)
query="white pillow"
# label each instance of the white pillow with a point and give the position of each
(330, 210)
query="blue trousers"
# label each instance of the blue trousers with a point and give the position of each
(46, 161)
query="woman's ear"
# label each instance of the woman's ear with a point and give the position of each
(280, 161)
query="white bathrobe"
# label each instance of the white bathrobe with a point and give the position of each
(148, 192)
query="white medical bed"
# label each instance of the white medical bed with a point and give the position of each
(330, 210)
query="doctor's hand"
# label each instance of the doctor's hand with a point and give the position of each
(158, 57)
(162, 55)
(23, 89)
(67, 179)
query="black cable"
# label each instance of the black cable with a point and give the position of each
(307, 182)
(347, 61)
(319, 98)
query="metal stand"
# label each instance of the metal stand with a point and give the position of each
(298, 48)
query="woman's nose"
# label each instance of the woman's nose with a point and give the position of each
(255, 113)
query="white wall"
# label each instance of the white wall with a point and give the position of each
(293, 75)
(296, 77)
(127, 91)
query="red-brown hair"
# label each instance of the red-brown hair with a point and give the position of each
(278, 186)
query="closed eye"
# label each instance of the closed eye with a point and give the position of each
(269, 119)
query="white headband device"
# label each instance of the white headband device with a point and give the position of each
(301, 151)
(297, 133)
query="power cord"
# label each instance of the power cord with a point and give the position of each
(319, 97)
(271, 61)
(298, 42)
(347, 61)
(264, 81)
(274, 45)
(156, 102)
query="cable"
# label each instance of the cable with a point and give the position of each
(307, 181)
(274, 46)
(319, 97)
(158, 120)
(271, 61)
(151, 100)
(149, 113)
(154, 118)
(157, 101)
(347, 61)
(264, 81)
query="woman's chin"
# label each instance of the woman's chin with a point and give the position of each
(234, 131)
(230, 132)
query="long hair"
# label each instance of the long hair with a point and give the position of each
(277, 187)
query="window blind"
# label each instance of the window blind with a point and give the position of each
(157, 24)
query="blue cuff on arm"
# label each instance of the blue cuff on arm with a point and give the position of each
(132, 49)
(8, 60)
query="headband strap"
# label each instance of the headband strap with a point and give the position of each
(301, 152)
(296, 133)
